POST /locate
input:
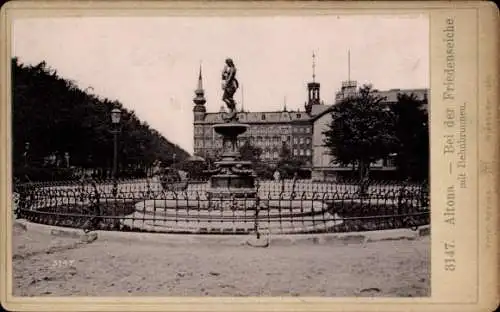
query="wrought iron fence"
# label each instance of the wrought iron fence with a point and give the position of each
(286, 207)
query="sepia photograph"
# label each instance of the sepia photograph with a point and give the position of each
(249, 156)
(221, 156)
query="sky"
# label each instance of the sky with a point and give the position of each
(151, 64)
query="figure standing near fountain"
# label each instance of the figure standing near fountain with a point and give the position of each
(229, 86)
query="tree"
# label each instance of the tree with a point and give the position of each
(412, 133)
(361, 131)
(53, 114)
(287, 164)
(250, 152)
(194, 168)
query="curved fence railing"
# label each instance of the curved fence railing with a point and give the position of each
(280, 207)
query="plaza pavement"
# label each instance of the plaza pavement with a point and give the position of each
(136, 264)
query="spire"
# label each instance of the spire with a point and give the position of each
(314, 66)
(284, 104)
(200, 80)
(199, 99)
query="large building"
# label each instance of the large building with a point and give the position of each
(301, 131)
(268, 130)
(324, 165)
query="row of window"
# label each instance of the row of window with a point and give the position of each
(301, 152)
(259, 141)
(301, 140)
(302, 129)
(260, 129)
(218, 143)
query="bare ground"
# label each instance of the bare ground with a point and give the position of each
(45, 265)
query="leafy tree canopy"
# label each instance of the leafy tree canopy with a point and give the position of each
(361, 130)
(412, 132)
(55, 117)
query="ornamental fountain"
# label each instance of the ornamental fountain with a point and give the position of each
(233, 177)
(231, 201)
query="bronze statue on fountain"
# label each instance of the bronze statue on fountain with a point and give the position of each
(229, 85)
(232, 176)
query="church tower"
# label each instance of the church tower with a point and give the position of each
(199, 100)
(312, 89)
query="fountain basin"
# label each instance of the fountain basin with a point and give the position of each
(231, 129)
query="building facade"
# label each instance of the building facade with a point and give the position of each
(268, 130)
(324, 165)
(302, 131)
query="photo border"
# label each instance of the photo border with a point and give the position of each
(485, 68)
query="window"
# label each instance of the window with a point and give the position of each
(283, 138)
(275, 155)
(295, 152)
(301, 140)
(308, 130)
(301, 152)
(308, 141)
(308, 152)
(298, 115)
(263, 117)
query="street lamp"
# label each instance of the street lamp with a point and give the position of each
(66, 157)
(115, 120)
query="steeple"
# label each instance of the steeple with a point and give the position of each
(199, 100)
(314, 67)
(200, 80)
(312, 88)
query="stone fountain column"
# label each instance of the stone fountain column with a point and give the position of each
(232, 176)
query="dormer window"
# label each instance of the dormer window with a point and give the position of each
(298, 115)
(263, 117)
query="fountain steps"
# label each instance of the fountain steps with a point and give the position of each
(234, 227)
(229, 214)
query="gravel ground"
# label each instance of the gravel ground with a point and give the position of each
(45, 265)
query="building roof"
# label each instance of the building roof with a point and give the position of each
(261, 117)
(392, 95)
(317, 110)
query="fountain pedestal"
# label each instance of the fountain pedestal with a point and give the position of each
(232, 178)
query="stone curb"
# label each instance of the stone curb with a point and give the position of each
(265, 240)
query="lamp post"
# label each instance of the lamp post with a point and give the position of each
(66, 158)
(115, 120)
(26, 159)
